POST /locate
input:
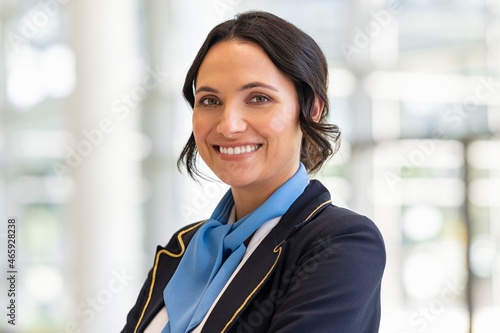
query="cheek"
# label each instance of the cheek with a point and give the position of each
(278, 124)
(200, 127)
(200, 136)
(287, 124)
(284, 134)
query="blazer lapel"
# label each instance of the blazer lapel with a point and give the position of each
(166, 261)
(265, 259)
(252, 275)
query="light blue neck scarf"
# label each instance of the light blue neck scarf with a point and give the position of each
(214, 253)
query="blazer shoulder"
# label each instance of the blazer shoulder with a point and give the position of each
(334, 222)
(314, 216)
(358, 230)
(344, 218)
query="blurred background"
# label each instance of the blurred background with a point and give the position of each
(92, 121)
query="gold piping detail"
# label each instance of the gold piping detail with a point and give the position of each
(183, 248)
(314, 211)
(278, 250)
(253, 291)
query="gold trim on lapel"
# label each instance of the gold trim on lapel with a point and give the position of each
(276, 250)
(157, 259)
(314, 211)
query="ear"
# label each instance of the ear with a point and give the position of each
(317, 111)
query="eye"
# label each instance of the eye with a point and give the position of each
(259, 99)
(208, 101)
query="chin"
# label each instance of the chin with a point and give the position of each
(235, 180)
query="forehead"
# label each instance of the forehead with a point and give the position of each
(244, 59)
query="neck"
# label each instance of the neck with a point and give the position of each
(247, 200)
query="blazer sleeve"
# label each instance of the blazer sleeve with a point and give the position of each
(335, 285)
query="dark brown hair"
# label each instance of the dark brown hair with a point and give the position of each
(295, 54)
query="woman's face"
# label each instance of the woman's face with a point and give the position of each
(245, 117)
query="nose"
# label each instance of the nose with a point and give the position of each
(231, 122)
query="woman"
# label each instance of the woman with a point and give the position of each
(276, 255)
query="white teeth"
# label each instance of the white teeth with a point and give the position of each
(237, 150)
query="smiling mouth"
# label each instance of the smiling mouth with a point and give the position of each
(237, 150)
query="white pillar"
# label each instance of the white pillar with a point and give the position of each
(105, 213)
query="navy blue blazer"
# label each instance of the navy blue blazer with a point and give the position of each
(318, 270)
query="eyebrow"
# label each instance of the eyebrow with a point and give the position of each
(255, 85)
(244, 87)
(206, 89)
